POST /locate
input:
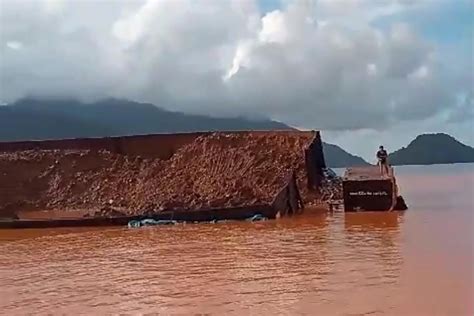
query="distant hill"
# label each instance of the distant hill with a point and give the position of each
(30, 124)
(35, 119)
(55, 119)
(430, 149)
(336, 157)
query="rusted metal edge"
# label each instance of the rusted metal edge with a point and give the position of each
(202, 215)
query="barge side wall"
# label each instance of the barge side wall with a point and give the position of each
(287, 201)
(160, 146)
(369, 195)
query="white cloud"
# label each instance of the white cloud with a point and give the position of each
(371, 69)
(14, 45)
(313, 64)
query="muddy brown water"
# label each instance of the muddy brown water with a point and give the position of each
(419, 262)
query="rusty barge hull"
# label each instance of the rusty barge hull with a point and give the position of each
(287, 202)
(237, 213)
(365, 189)
(75, 174)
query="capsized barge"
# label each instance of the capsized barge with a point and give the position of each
(183, 177)
(367, 189)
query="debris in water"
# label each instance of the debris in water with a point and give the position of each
(257, 218)
(150, 222)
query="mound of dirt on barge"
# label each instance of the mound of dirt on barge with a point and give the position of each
(215, 170)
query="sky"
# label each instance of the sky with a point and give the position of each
(365, 72)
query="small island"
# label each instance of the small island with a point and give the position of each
(429, 149)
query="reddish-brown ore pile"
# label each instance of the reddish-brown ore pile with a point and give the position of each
(215, 170)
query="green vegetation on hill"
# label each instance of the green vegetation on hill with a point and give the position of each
(33, 119)
(429, 149)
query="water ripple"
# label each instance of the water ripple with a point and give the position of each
(289, 266)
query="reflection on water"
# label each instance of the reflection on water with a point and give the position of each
(373, 222)
(380, 232)
(328, 264)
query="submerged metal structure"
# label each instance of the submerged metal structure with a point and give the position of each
(367, 189)
(286, 199)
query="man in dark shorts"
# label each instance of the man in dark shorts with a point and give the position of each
(382, 157)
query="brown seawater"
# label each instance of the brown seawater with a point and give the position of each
(418, 262)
